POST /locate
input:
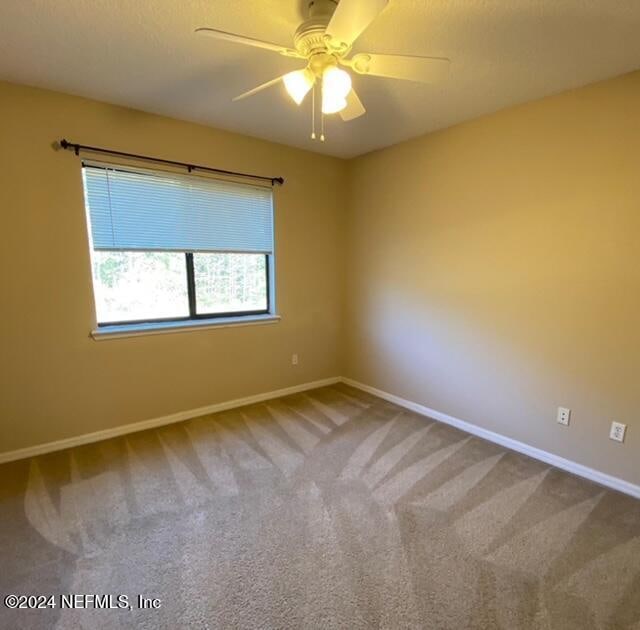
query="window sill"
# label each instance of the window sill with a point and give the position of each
(162, 328)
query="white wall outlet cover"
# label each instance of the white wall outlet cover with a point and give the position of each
(617, 431)
(564, 416)
(294, 359)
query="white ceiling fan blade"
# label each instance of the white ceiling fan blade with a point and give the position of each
(350, 19)
(354, 107)
(257, 89)
(246, 41)
(419, 69)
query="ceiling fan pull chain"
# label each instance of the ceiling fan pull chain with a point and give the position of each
(313, 113)
(321, 127)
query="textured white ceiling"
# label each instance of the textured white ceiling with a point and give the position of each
(143, 54)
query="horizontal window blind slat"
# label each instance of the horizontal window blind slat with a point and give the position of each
(130, 210)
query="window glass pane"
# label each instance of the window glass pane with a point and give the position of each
(227, 283)
(140, 285)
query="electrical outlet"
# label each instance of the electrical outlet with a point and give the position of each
(294, 359)
(617, 431)
(564, 415)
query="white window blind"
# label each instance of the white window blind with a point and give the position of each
(132, 209)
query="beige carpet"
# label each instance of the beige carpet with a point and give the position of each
(329, 509)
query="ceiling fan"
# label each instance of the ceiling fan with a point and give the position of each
(324, 41)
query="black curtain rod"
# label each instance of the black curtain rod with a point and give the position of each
(65, 144)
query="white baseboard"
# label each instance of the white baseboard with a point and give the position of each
(96, 436)
(555, 460)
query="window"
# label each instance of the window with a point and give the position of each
(173, 247)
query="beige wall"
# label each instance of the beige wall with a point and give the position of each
(56, 382)
(494, 272)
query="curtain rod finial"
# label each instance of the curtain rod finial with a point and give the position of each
(65, 144)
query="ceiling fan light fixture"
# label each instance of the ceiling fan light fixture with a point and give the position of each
(298, 84)
(333, 106)
(325, 40)
(336, 85)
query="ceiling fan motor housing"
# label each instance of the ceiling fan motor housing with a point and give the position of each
(309, 38)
